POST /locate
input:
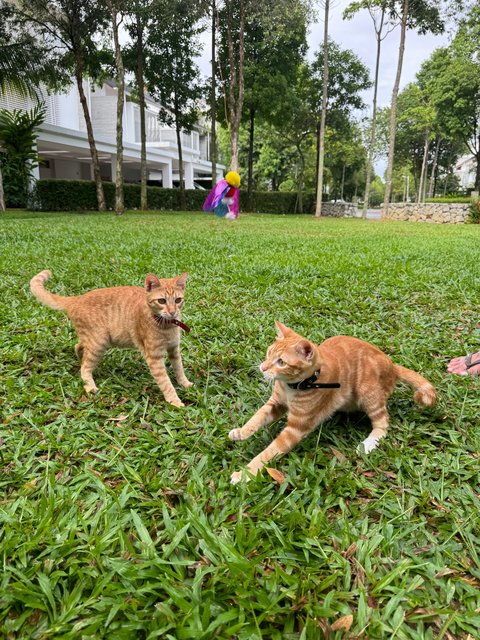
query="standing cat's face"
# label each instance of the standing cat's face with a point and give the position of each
(165, 296)
(289, 357)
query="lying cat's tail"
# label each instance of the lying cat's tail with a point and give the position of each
(50, 299)
(424, 392)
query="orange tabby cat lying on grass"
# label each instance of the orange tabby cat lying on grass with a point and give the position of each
(148, 319)
(313, 382)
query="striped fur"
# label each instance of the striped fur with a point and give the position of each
(367, 377)
(123, 317)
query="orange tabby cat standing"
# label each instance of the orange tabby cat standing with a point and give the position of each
(147, 319)
(354, 375)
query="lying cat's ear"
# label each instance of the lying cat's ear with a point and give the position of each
(180, 281)
(305, 349)
(282, 330)
(151, 282)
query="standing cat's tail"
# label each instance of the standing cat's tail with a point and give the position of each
(424, 392)
(50, 299)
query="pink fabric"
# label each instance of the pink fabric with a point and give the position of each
(215, 195)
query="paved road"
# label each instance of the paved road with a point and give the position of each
(374, 214)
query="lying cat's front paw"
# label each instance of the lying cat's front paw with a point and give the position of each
(238, 476)
(236, 434)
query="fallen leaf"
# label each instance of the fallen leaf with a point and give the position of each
(275, 474)
(119, 419)
(369, 474)
(350, 551)
(339, 455)
(345, 622)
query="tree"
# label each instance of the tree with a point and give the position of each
(382, 27)
(275, 45)
(424, 16)
(172, 74)
(347, 77)
(321, 132)
(71, 27)
(452, 80)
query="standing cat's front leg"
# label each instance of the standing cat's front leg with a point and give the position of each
(156, 364)
(177, 364)
(267, 414)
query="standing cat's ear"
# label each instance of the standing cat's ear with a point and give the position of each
(305, 349)
(282, 330)
(151, 282)
(181, 280)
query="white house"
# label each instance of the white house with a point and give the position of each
(465, 169)
(65, 153)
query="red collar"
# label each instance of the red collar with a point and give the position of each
(162, 322)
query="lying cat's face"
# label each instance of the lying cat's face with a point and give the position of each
(289, 357)
(165, 297)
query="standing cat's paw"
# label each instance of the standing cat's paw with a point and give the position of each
(238, 476)
(236, 434)
(176, 403)
(368, 445)
(186, 384)
(90, 388)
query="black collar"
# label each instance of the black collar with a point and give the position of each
(162, 322)
(309, 383)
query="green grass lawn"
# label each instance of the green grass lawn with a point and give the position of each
(117, 516)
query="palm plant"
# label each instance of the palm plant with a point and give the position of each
(19, 156)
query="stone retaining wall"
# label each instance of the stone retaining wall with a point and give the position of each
(453, 213)
(340, 210)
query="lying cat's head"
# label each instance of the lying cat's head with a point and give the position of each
(165, 295)
(290, 358)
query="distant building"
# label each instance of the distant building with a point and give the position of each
(465, 170)
(65, 153)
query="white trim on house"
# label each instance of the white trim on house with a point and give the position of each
(465, 169)
(63, 144)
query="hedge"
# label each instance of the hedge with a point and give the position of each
(450, 199)
(79, 195)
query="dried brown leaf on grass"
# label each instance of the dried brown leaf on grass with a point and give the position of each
(275, 474)
(344, 622)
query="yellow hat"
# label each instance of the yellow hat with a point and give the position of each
(233, 179)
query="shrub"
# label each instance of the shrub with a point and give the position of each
(450, 199)
(474, 216)
(79, 195)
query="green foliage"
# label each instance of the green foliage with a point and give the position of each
(19, 157)
(453, 199)
(79, 195)
(474, 216)
(118, 520)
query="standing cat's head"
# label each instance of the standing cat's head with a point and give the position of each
(165, 295)
(290, 358)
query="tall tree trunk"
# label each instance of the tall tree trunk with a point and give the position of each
(2, 194)
(321, 138)
(91, 139)
(183, 204)
(119, 200)
(432, 184)
(477, 174)
(237, 81)
(317, 156)
(141, 102)
(393, 109)
(213, 96)
(371, 146)
(423, 172)
(251, 135)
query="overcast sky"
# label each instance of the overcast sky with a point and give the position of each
(358, 35)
